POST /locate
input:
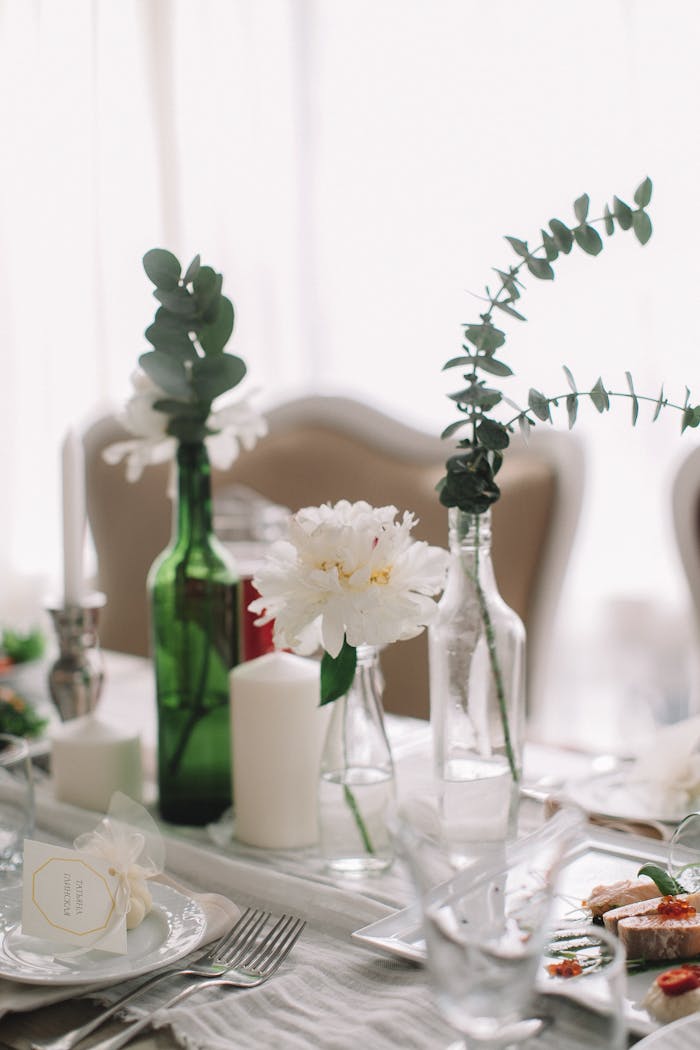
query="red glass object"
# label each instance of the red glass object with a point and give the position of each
(256, 641)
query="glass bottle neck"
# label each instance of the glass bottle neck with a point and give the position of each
(470, 531)
(193, 513)
(470, 546)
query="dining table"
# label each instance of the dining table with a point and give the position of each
(334, 991)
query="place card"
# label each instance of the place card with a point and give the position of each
(71, 898)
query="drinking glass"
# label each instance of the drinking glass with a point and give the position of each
(684, 853)
(16, 805)
(485, 927)
(582, 1010)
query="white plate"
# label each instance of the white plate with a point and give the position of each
(614, 795)
(604, 857)
(172, 928)
(683, 1034)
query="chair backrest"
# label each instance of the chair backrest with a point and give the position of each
(322, 449)
(686, 522)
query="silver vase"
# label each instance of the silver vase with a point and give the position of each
(76, 677)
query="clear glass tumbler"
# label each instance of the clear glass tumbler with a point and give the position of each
(16, 805)
(486, 928)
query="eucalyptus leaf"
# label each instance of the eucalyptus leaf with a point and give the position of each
(492, 435)
(507, 309)
(539, 404)
(167, 372)
(460, 362)
(185, 409)
(691, 418)
(623, 213)
(599, 396)
(207, 289)
(581, 205)
(589, 239)
(563, 236)
(518, 246)
(609, 221)
(550, 246)
(641, 223)
(659, 405)
(212, 376)
(539, 268)
(569, 378)
(642, 194)
(337, 673)
(485, 337)
(192, 270)
(178, 301)
(635, 402)
(214, 336)
(162, 268)
(494, 367)
(571, 408)
(454, 427)
(171, 334)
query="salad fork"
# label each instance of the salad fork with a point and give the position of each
(220, 956)
(256, 964)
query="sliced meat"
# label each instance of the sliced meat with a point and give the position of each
(602, 898)
(648, 907)
(655, 937)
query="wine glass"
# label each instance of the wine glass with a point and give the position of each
(684, 853)
(485, 927)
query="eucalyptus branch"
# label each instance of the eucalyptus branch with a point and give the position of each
(540, 406)
(469, 483)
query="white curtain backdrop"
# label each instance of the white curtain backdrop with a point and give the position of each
(351, 166)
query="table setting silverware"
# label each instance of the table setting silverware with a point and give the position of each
(238, 959)
(256, 966)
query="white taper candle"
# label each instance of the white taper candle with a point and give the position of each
(73, 467)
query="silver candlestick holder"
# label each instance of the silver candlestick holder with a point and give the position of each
(76, 677)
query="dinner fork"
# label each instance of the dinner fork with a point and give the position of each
(220, 956)
(257, 964)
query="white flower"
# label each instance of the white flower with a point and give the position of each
(234, 425)
(357, 570)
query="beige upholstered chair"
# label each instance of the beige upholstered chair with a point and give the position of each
(686, 522)
(322, 449)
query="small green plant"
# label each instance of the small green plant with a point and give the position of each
(469, 482)
(190, 330)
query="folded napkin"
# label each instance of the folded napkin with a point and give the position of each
(668, 772)
(221, 913)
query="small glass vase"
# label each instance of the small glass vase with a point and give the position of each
(194, 598)
(357, 787)
(477, 695)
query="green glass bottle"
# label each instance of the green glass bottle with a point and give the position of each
(194, 596)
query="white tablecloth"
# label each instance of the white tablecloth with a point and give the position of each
(333, 994)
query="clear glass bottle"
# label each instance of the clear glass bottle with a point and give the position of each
(357, 787)
(194, 597)
(477, 694)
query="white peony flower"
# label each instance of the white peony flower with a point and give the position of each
(354, 568)
(234, 425)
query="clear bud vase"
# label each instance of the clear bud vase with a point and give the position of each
(477, 695)
(357, 788)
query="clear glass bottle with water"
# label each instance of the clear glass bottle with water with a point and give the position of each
(357, 788)
(477, 694)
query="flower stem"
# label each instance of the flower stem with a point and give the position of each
(361, 826)
(495, 663)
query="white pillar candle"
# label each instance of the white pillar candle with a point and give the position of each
(278, 728)
(73, 469)
(91, 759)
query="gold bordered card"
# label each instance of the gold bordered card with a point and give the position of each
(72, 898)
